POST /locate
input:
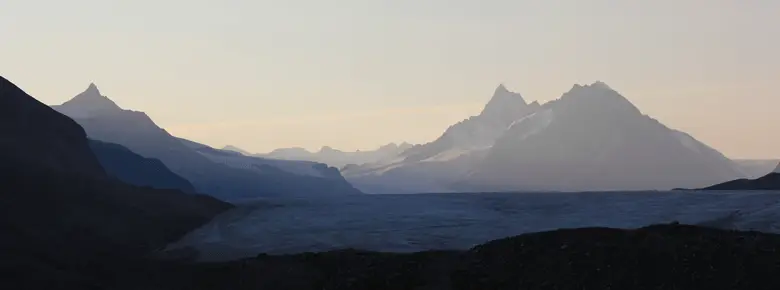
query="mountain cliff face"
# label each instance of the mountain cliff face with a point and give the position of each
(134, 169)
(136, 131)
(592, 138)
(62, 214)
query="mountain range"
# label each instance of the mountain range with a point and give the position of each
(330, 156)
(590, 139)
(88, 214)
(206, 168)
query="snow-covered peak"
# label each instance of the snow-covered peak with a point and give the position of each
(777, 169)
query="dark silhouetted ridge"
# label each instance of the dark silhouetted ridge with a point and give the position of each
(770, 181)
(655, 257)
(33, 133)
(64, 222)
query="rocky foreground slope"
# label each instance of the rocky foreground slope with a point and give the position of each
(65, 222)
(656, 257)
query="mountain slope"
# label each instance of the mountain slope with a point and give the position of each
(434, 166)
(63, 219)
(478, 131)
(136, 131)
(755, 168)
(32, 133)
(302, 169)
(592, 138)
(134, 169)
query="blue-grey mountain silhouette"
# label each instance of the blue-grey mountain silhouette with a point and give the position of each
(134, 169)
(105, 121)
(592, 138)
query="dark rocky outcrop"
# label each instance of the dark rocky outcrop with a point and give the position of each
(33, 133)
(656, 257)
(64, 221)
(770, 181)
(135, 169)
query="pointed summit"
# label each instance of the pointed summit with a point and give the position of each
(88, 103)
(93, 89)
(505, 105)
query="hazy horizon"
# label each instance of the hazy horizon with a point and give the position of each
(351, 74)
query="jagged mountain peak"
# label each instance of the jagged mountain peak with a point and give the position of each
(503, 97)
(504, 106)
(88, 103)
(93, 88)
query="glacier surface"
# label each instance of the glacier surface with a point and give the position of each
(405, 223)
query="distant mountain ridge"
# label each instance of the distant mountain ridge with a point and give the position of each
(335, 157)
(591, 138)
(265, 165)
(136, 131)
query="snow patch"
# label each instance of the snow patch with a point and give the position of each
(536, 122)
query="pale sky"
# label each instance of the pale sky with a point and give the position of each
(354, 74)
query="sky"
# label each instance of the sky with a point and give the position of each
(356, 74)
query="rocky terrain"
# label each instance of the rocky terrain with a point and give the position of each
(770, 181)
(65, 222)
(669, 256)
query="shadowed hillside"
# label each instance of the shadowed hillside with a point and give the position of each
(63, 220)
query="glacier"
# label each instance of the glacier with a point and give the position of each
(407, 223)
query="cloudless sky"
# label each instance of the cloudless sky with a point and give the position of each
(354, 74)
